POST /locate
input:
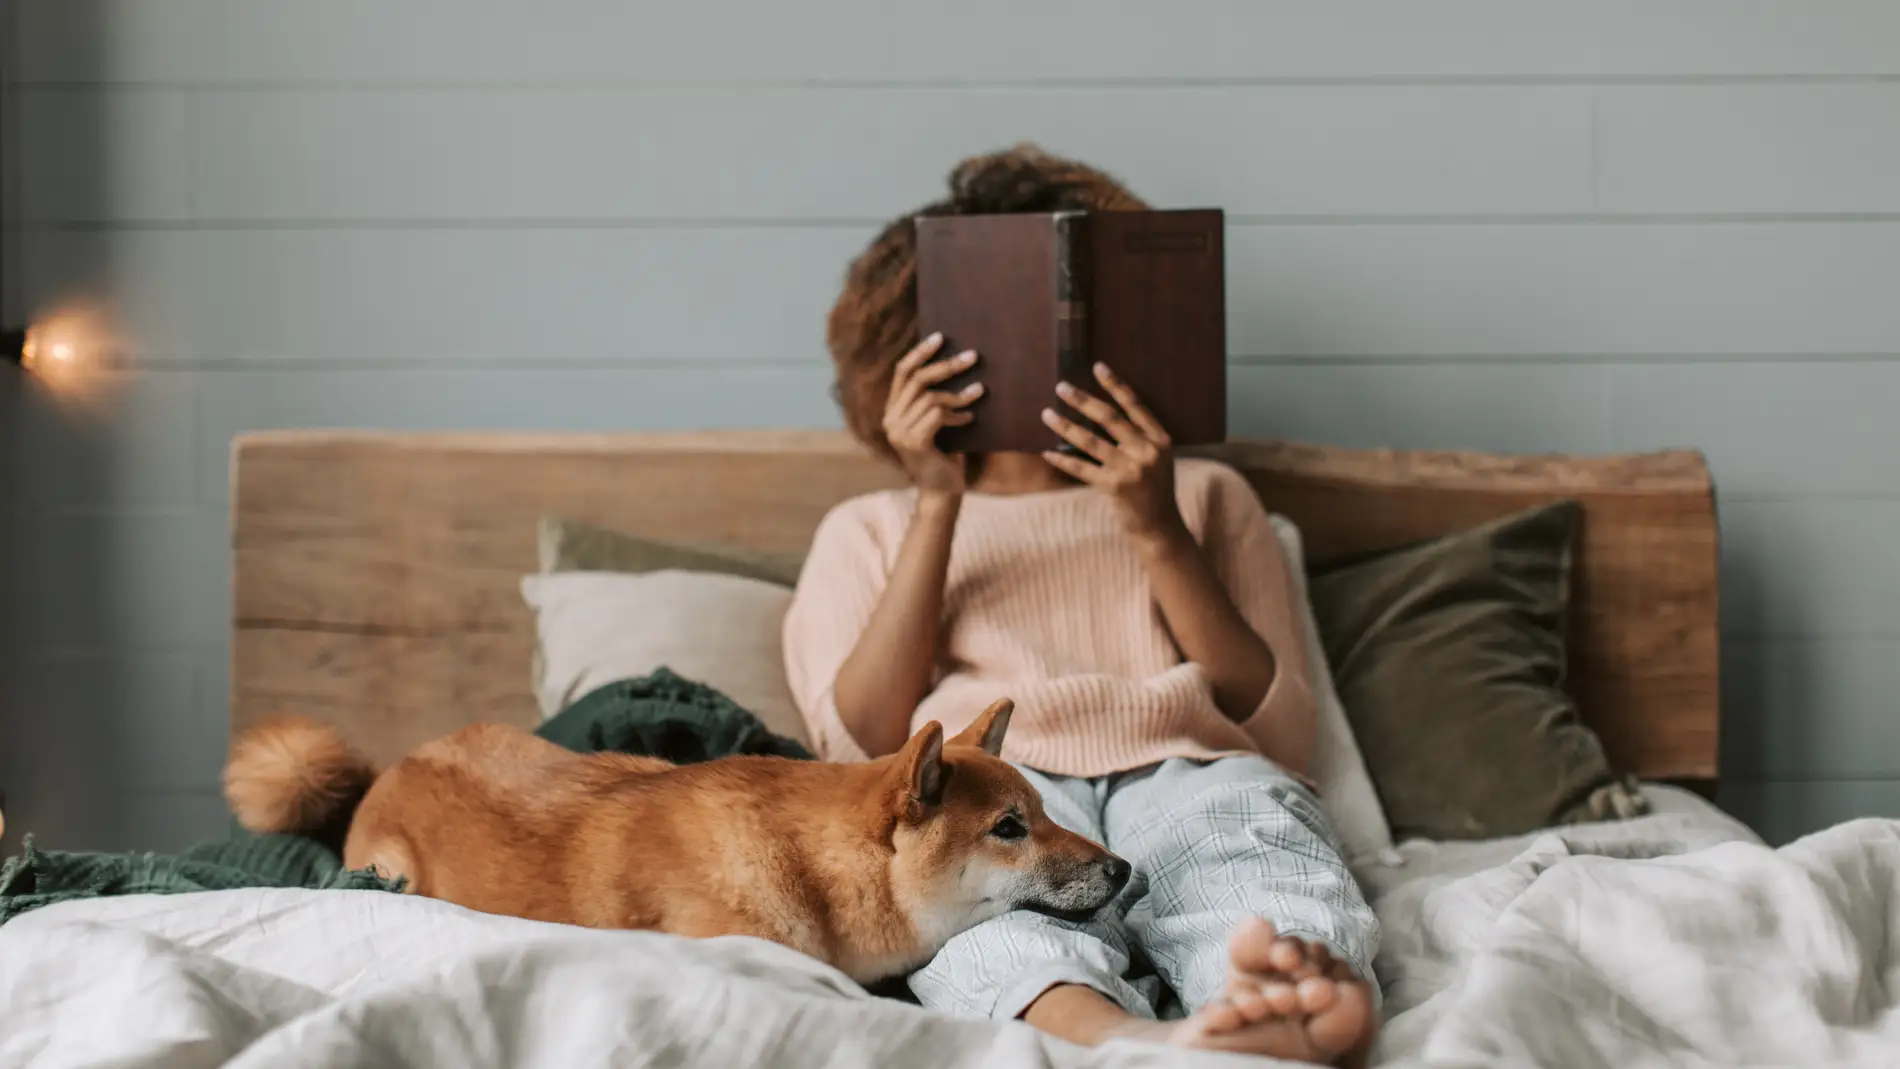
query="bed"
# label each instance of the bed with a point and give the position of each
(377, 586)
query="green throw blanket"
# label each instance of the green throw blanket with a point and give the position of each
(664, 716)
(660, 715)
(42, 877)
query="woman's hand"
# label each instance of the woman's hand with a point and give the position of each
(1135, 465)
(915, 412)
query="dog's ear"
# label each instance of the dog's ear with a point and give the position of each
(986, 731)
(920, 762)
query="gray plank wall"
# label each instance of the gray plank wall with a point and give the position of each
(1581, 225)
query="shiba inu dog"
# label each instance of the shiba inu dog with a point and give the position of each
(870, 867)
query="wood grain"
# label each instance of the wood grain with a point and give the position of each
(377, 575)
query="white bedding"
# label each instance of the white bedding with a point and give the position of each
(1425, 895)
(1673, 940)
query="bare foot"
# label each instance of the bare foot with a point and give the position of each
(1285, 998)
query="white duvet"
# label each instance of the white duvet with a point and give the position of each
(1675, 940)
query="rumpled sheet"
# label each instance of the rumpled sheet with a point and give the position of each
(1596, 950)
(1652, 945)
(291, 978)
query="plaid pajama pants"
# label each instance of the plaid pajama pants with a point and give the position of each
(1211, 843)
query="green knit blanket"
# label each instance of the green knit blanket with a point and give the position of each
(661, 715)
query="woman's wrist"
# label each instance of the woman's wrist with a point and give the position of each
(938, 503)
(1163, 540)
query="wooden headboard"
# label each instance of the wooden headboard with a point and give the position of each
(377, 575)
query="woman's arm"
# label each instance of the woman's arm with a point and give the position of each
(1205, 622)
(1255, 590)
(1229, 604)
(861, 642)
(859, 703)
(892, 667)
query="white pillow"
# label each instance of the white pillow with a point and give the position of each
(1346, 790)
(596, 628)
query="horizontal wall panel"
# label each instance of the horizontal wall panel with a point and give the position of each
(457, 297)
(65, 804)
(445, 40)
(1510, 409)
(94, 582)
(142, 721)
(171, 821)
(86, 155)
(1749, 149)
(1769, 428)
(118, 821)
(774, 154)
(1332, 150)
(1814, 567)
(633, 399)
(1783, 811)
(1811, 708)
(525, 296)
(123, 440)
(107, 818)
(1582, 291)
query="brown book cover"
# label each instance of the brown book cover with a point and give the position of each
(1042, 297)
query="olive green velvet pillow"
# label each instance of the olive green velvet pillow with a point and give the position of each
(1449, 658)
(573, 546)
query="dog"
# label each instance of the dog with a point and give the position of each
(869, 867)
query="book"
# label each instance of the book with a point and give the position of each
(1042, 297)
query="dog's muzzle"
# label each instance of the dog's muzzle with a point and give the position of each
(1085, 893)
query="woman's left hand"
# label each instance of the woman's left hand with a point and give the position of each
(1134, 465)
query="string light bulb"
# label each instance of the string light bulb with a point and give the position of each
(66, 350)
(35, 352)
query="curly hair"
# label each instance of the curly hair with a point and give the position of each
(874, 321)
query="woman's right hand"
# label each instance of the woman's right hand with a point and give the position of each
(916, 411)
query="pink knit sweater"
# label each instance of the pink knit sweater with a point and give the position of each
(1047, 603)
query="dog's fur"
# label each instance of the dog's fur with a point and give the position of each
(871, 867)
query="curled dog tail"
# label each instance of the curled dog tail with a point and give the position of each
(296, 776)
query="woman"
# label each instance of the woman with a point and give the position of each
(1137, 609)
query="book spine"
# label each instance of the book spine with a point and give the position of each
(1072, 314)
(1072, 303)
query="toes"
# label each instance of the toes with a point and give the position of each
(1316, 995)
(1345, 1025)
(1281, 998)
(1315, 960)
(1320, 958)
(1250, 1002)
(1286, 956)
(1218, 1017)
(1250, 949)
(1257, 928)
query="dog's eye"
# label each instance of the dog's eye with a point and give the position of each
(1010, 828)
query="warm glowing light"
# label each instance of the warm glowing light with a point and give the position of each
(70, 351)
